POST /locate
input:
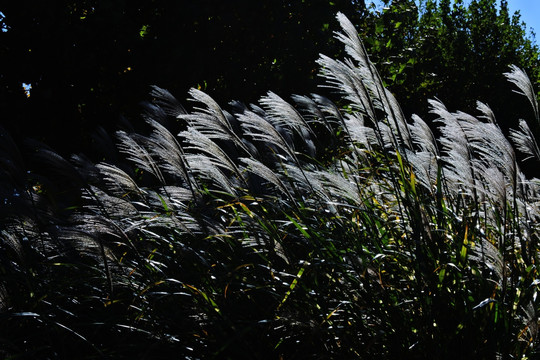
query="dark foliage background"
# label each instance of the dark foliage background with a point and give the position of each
(89, 62)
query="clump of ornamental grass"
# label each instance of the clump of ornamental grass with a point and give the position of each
(300, 229)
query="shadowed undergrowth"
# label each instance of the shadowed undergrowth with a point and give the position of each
(278, 230)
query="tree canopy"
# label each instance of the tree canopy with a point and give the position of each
(453, 51)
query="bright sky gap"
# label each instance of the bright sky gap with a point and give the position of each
(528, 9)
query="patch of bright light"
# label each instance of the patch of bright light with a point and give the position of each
(27, 88)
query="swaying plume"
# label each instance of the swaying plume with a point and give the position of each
(139, 155)
(518, 77)
(525, 140)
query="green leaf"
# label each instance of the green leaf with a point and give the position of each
(294, 283)
(144, 31)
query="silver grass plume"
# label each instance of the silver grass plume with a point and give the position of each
(118, 181)
(281, 113)
(165, 100)
(211, 120)
(486, 111)
(490, 146)
(355, 48)
(359, 133)
(111, 205)
(199, 143)
(457, 154)
(352, 83)
(338, 189)
(139, 155)
(262, 131)
(425, 167)
(496, 186)
(422, 136)
(519, 78)
(209, 169)
(314, 114)
(331, 111)
(525, 140)
(166, 147)
(258, 168)
(425, 160)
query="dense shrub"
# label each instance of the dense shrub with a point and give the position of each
(279, 230)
